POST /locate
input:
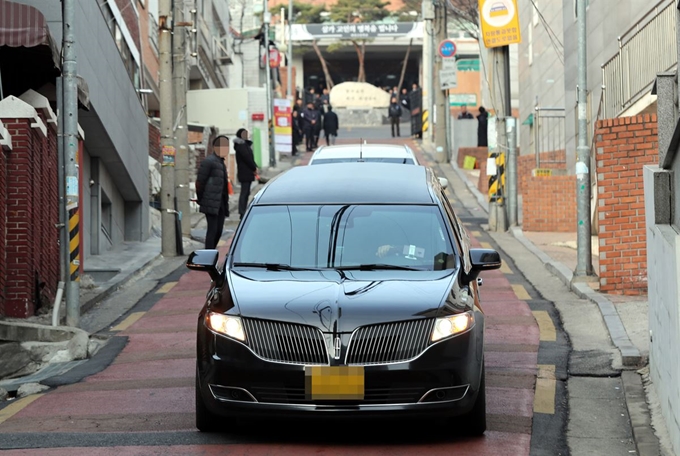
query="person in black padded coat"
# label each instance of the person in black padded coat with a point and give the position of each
(246, 168)
(212, 190)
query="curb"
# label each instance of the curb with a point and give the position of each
(630, 355)
(107, 292)
(646, 441)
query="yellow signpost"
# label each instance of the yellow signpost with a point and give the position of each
(500, 22)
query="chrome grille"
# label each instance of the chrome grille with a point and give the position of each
(389, 342)
(286, 342)
(293, 395)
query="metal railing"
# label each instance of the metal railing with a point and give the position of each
(646, 49)
(549, 132)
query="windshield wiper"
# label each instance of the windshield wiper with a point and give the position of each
(272, 267)
(376, 267)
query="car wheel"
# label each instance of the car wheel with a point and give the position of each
(474, 422)
(206, 421)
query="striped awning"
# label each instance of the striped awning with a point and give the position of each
(22, 25)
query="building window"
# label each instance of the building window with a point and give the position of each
(153, 33)
(530, 47)
(121, 44)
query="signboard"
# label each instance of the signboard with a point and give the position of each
(308, 32)
(447, 49)
(500, 22)
(274, 58)
(448, 79)
(283, 126)
(463, 99)
(450, 63)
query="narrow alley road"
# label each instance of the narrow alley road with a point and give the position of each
(139, 396)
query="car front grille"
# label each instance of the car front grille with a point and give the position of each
(286, 342)
(389, 342)
(377, 396)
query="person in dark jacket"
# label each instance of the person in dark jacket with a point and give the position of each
(394, 113)
(246, 168)
(330, 126)
(482, 127)
(297, 130)
(212, 190)
(310, 121)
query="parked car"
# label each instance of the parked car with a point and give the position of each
(382, 153)
(344, 300)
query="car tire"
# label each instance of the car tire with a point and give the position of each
(206, 421)
(474, 422)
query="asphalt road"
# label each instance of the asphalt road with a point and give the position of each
(136, 396)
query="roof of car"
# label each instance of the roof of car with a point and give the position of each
(349, 183)
(367, 150)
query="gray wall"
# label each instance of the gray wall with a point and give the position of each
(541, 71)
(605, 22)
(116, 127)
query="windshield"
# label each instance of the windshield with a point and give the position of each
(324, 161)
(350, 236)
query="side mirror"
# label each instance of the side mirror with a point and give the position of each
(483, 260)
(444, 182)
(206, 261)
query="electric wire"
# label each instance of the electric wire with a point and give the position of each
(552, 36)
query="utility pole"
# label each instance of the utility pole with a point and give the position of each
(584, 264)
(511, 131)
(266, 17)
(181, 133)
(441, 111)
(168, 239)
(289, 66)
(69, 117)
(428, 67)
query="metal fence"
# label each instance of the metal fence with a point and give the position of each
(646, 49)
(549, 132)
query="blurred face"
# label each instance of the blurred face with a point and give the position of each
(244, 134)
(222, 147)
(394, 100)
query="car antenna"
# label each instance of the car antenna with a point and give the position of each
(361, 150)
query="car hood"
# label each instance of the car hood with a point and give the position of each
(328, 301)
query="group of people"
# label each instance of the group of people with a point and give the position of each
(310, 117)
(482, 124)
(212, 182)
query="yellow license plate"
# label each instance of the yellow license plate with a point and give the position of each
(334, 382)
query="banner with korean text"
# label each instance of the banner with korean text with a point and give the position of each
(283, 126)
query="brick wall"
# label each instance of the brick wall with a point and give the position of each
(624, 146)
(549, 204)
(30, 261)
(483, 183)
(131, 19)
(527, 163)
(480, 153)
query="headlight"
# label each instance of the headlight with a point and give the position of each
(450, 326)
(227, 325)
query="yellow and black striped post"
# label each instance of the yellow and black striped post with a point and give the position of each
(426, 119)
(497, 181)
(74, 244)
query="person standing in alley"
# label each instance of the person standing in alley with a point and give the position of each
(464, 113)
(246, 168)
(310, 119)
(212, 190)
(482, 127)
(331, 124)
(394, 113)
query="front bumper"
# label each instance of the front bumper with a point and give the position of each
(443, 381)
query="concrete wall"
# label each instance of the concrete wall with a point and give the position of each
(605, 23)
(541, 71)
(663, 270)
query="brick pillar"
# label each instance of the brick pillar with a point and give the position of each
(20, 286)
(3, 228)
(624, 146)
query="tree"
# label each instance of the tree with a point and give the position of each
(303, 13)
(466, 15)
(404, 14)
(353, 11)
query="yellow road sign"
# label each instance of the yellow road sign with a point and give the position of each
(500, 22)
